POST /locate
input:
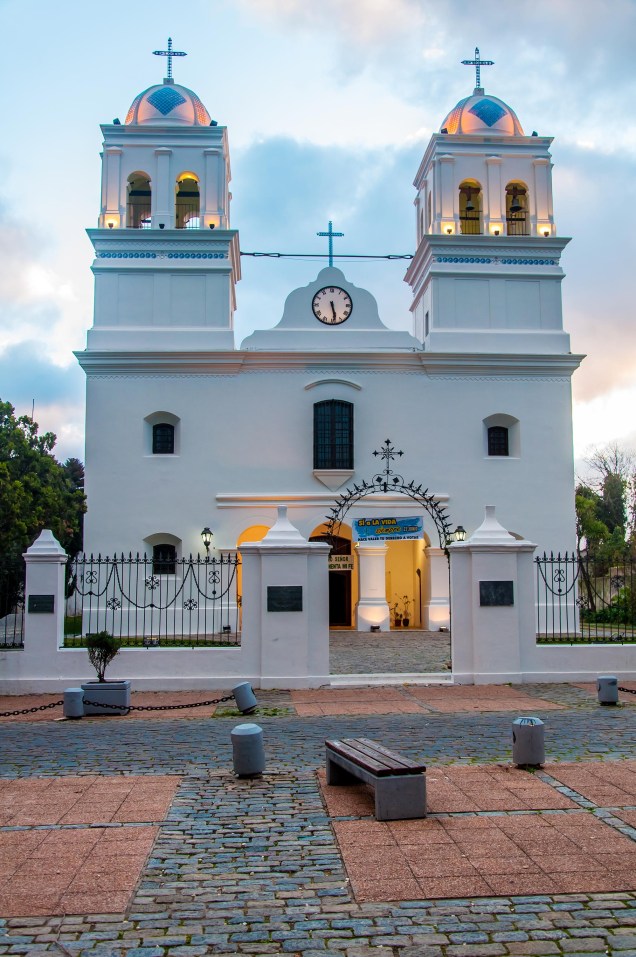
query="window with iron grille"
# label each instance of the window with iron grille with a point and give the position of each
(164, 559)
(333, 434)
(497, 440)
(163, 439)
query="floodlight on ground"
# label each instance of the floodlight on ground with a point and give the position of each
(245, 698)
(607, 689)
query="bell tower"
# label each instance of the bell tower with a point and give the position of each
(486, 276)
(166, 260)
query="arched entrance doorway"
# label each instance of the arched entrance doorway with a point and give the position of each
(408, 579)
(343, 587)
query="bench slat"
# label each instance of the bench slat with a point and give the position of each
(374, 758)
(406, 762)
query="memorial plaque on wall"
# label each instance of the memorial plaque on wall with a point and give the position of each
(41, 604)
(496, 593)
(284, 597)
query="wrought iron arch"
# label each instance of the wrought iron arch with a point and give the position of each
(390, 481)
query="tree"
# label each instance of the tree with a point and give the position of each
(605, 504)
(36, 492)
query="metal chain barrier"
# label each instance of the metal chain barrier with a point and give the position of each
(156, 707)
(117, 707)
(628, 690)
(41, 707)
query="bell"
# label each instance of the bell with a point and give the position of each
(470, 206)
(515, 206)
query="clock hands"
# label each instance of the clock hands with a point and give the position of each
(333, 309)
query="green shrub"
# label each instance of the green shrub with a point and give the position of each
(102, 648)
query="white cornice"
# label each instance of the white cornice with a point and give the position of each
(295, 500)
(536, 253)
(233, 363)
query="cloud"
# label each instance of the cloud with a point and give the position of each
(593, 201)
(30, 379)
(362, 22)
(368, 195)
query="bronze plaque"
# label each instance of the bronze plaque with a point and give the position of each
(284, 597)
(496, 593)
(41, 604)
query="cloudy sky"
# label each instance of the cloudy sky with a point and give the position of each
(329, 106)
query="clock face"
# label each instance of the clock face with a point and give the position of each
(332, 305)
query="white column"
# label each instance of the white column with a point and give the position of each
(435, 613)
(542, 206)
(372, 607)
(112, 207)
(448, 198)
(211, 211)
(163, 191)
(493, 206)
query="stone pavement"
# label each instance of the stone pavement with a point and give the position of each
(273, 866)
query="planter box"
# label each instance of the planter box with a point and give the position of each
(104, 693)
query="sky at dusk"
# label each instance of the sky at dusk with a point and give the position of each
(329, 107)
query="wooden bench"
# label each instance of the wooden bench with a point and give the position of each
(400, 784)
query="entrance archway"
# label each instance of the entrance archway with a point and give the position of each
(417, 583)
(343, 585)
(390, 481)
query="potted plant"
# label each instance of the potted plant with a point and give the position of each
(406, 610)
(397, 614)
(102, 647)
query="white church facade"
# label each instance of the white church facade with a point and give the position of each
(188, 430)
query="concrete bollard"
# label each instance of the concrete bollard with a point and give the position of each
(528, 743)
(244, 697)
(73, 703)
(607, 689)
(248, 751)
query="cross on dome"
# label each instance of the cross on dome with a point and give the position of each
(169, 53)
(478, 63)
(330, 233)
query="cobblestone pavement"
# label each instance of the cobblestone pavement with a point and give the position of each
(252, 866)
(403, 651)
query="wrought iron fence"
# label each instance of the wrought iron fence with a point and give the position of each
(12, 605)
(581, 600)
(137, 601)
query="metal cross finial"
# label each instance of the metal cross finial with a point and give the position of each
(330, 233)
(169, 53)
(388, 477)
(478, 63)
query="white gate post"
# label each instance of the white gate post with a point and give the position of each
(44, 599)
(492, 603)
(286, 607)
(372, 608)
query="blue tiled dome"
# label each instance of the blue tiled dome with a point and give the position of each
(167, 103)
(482, 114)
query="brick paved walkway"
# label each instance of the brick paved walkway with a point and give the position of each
(256, 867)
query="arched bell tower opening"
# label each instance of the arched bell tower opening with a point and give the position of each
(517, 221)
(138, 201)
(187, 202)
(470, 207)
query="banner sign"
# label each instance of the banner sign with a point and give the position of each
(340, 563)
(387, 529)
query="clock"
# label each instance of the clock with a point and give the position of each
(332, 305)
